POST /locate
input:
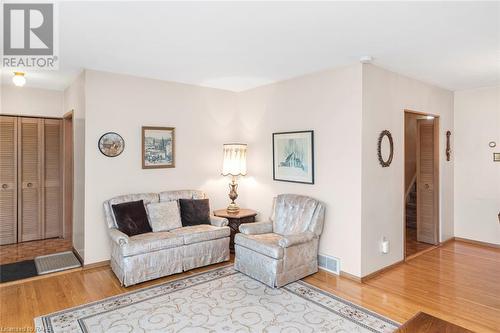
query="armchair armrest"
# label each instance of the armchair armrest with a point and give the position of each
(217, 221)
(291, 240)
(118, 237)
(256, 228)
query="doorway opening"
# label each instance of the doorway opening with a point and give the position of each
(421, 183)
(36, 196)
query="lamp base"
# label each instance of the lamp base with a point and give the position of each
(233, 186)
(232, 208)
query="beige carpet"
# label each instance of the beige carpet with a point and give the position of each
(220, 300)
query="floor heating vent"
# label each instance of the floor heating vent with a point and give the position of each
(329, 263)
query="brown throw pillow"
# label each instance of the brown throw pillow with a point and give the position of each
(132, 218)
(194, 212)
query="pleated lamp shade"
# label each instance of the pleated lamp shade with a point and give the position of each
(235, 159)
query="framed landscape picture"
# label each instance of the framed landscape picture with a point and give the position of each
(158, 147)
(293, 157)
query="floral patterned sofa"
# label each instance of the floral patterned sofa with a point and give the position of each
(155, 254)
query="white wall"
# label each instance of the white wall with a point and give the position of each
(329, 103)
(347, 108)
(385, 97)
(204, 119)
(477, 177)
(74, 99)
(24, 101)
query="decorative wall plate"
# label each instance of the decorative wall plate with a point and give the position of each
(111, 144)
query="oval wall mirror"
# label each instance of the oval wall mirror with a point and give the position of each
(385, 149)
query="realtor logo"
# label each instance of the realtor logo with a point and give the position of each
(28, 35)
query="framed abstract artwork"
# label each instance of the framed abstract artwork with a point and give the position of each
(293, 157)
(158, 147)
(111, 144)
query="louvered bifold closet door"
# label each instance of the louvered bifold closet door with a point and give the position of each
(8, 180)
(52, 177)
(30, 146)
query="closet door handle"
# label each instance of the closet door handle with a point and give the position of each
(4, 186)
(29, 184)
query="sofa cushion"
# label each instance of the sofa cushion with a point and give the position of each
(201, 233)
(266, 244)
(131, 218)
(150, 242)
(108, 211)
(164, 216)
(194, 212)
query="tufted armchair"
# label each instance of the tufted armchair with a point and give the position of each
(285, 248)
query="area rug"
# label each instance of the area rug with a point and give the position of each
(220, 300)
(17, 271)
(56, 262)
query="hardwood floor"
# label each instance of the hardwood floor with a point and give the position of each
(425, 323)
(458, 282)
(412, 245)
(29, 250)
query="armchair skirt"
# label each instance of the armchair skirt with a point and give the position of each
(293, 264)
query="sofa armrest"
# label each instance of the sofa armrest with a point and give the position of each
(217, 221)
(118, 237)
(256, 228)
(291, 240)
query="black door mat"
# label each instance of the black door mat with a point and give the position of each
(17, 271)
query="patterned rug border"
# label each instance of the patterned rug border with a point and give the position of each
(81, 320)
(42, 323)
(345, 301)
(41, 320)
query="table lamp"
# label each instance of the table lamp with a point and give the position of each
(234, 165)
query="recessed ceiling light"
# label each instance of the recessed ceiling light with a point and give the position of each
(19, 79)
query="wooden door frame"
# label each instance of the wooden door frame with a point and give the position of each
(436, 177)
(68, 176)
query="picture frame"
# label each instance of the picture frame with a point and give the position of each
(293, 156)
(111, 144)
(158, 147)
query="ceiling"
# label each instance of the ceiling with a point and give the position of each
(241, 45)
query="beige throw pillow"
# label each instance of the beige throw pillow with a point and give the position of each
(164, 216)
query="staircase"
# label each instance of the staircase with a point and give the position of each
(411, 207)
